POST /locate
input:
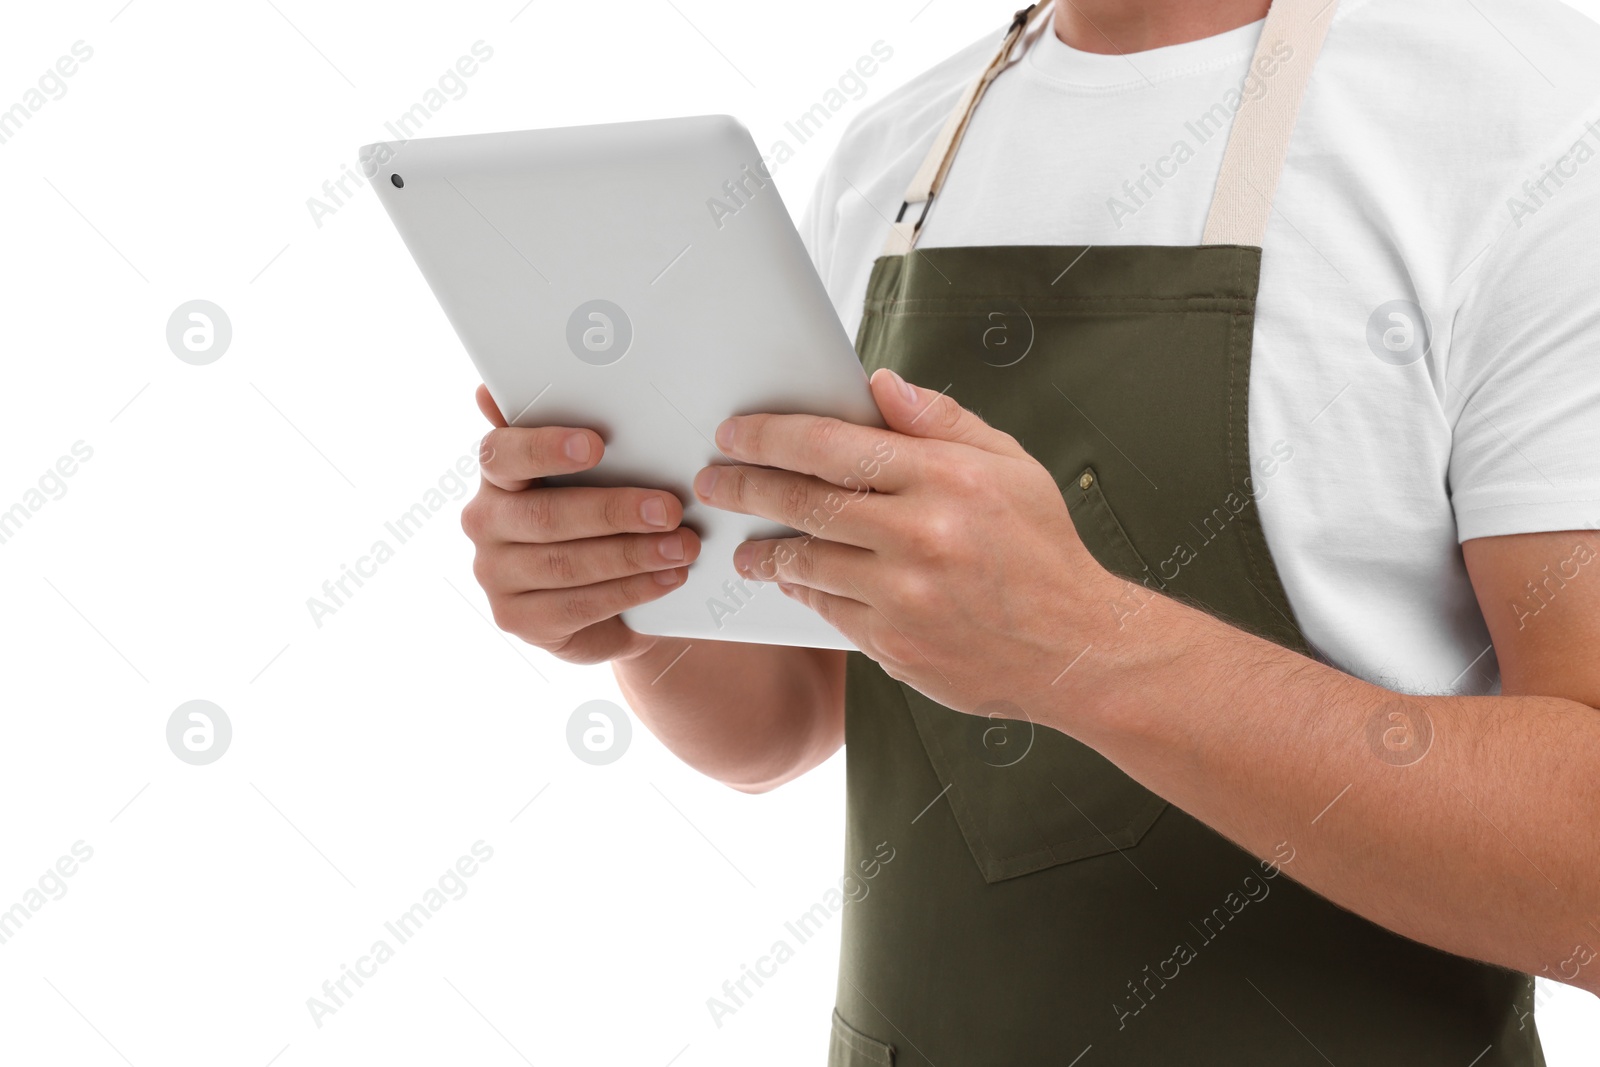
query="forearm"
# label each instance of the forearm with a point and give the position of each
(751, 716)
(1483, 844)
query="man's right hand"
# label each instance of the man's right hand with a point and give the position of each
(560, 563)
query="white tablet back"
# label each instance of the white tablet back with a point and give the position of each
(643, 279)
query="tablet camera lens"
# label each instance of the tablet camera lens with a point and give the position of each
(399, 182)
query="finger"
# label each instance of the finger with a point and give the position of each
(606, 640)
(567, 513)
(546, 617)
(850, 456)
(519, 568)
(490, 409)
(850, 617)
(514, 457)
(808, 504)
(843, 570)
(918, 412)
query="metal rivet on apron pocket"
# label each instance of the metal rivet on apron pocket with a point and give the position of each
(1087, 480)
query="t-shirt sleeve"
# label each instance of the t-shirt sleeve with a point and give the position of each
(1522, 383)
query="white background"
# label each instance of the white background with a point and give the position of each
(371, 752)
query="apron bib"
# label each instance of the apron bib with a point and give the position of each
(1041, 905)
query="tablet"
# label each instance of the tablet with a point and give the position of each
(645, 280)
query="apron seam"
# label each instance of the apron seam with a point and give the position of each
(1222, 304)
(1271, 583)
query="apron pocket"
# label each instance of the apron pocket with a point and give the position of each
(1027, 797)
(1102, 534)
(849, 1047)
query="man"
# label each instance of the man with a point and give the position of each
(1241, 385)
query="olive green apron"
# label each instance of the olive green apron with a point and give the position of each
(1041, 907)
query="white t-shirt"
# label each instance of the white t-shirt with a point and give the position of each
(1404, 182)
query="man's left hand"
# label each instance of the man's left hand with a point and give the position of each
(938, 546)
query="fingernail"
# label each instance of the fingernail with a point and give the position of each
(742, 557)
(671, 547)
(725, 434)
(668, 577)
(705, 481)
(906, 391)
(576, 446)
(653, 511)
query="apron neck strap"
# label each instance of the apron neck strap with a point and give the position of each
(1290, 41)
(1257, 143)
(925, 183)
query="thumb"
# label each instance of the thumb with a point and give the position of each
(490, 409)
(918, 412)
